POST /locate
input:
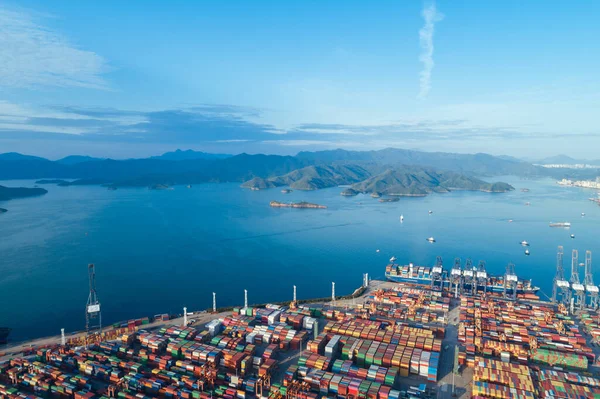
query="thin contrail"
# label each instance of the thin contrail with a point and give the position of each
(431, 16)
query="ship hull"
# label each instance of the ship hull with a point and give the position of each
(446, 284)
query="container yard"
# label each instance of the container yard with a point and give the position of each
(396, 340)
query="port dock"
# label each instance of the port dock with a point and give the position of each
(389, 340)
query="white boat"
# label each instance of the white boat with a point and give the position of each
(510, 220)
(524, 243)
(431, 239)
(572, 235)
(560, 224)
(526, 252)
(392, 259)
(377, 250)
(582, 213)
(401, 218)
(430, 212)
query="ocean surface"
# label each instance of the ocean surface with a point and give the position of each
(157, 251)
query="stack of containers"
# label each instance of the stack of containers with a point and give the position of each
(332, 347)
(214, 327)
(153, 342)
(560, 359)
(314, 361)
(318, 344)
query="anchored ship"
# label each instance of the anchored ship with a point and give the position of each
(4, 333)
(422, 275)
(560, 224)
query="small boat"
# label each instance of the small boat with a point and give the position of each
(189, 186)
(510, 220)
(401, 218)
(430, 212)
(527, 252)
(582, 213)
(392, 259)
(524, 243)
(377, 250)
(431, 239)
(560, 224)
(572, 235)
(528, 203)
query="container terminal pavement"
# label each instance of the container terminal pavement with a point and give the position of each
(396, 341)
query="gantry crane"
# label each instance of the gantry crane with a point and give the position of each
(578, 288)
(510, 282)
(296, 388)
(482, 277)
(456, 279)
(469, 277)
(591, 289)
(437, 275)
(561, 286)
(93, 317)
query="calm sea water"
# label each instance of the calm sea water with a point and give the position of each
(157, 251)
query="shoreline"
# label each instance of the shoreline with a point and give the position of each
(200, 315)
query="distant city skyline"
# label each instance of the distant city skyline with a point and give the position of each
(135, 79)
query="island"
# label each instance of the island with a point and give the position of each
(307, 205)
(258, 183)
(349, 192)
(402, 180)
(8, 193)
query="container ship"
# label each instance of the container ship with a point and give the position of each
(4, 333)
(421, 275)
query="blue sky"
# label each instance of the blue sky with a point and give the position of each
(138, 78)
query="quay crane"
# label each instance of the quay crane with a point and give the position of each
(437, 275)
(575, 284)
(510, 281)
(482, 277)
(469, 274)
(561, 286)
(93, 317)
(456, 280)
(591, 289)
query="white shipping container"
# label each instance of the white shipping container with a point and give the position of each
(274, 317)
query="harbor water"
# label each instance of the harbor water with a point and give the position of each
(156, 251)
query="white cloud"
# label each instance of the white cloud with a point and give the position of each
(431, 16)
(32, 55)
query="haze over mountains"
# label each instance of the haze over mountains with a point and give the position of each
(566, 160)
(328, 167)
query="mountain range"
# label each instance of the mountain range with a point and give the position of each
(326, 168)
(566, 160)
